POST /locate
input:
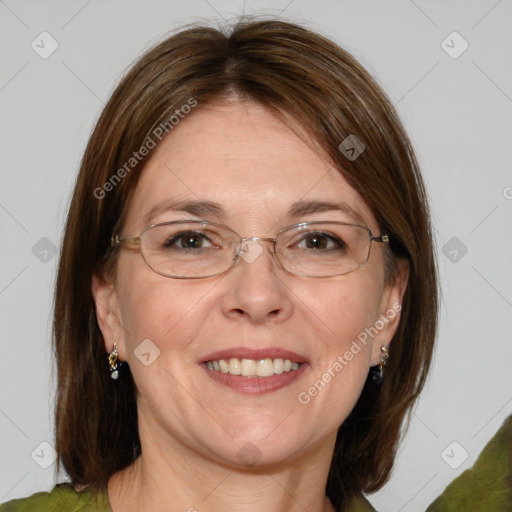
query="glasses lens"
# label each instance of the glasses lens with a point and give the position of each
(323, 249)
(188, 249)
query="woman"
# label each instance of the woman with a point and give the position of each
(246, 302)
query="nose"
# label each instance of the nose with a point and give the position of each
(255, 287)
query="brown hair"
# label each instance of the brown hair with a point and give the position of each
(292, 72)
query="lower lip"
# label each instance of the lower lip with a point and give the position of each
(256, 385)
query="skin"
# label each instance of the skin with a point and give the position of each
(191, 428)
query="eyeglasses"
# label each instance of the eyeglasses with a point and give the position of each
(184, 249)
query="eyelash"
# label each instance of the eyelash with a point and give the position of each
(170, 242)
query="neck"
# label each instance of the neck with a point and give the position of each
(172, 477)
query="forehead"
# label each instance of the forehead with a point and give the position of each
(241, 157)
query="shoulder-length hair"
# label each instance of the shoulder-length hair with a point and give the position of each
(297, 74)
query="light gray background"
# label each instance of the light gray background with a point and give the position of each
(457, 111)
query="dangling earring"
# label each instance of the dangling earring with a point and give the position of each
(114, 363)
(378, 373)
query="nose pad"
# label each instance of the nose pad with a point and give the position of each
(249, 250)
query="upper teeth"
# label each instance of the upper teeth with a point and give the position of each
(252, 367)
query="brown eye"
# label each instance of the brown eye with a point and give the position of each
(191, 242)
(186, 240)
(321, 241)
(316, 242)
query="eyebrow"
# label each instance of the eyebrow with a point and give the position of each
(200, 208)
(300, 208)
(197, 208)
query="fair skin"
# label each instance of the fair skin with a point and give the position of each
(191, 427)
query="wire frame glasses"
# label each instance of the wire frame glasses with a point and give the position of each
(185, 249)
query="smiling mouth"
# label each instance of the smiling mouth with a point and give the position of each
(253, 367)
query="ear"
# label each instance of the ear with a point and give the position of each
(108, 314)
(390, 307)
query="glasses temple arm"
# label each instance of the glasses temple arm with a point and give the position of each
(118, 240)
(381, 239)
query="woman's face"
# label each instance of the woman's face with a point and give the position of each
(255, 168)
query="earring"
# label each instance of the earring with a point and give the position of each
(378, 373)
(113, 363)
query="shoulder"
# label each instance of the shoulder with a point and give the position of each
(360, 504)
(62, 497)
(487, 485)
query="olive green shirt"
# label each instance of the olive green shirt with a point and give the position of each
(487, 487)
(62, 498)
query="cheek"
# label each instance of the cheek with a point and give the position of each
(343, 309)
(158, 309)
